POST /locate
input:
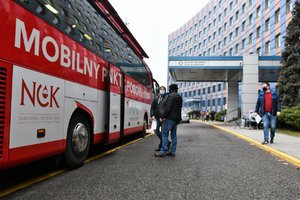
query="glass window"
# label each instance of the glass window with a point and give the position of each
(243, 8)
(277, 41)
(258, 32)
(267, 47)
(267, 4)
(258, 11)
(267, 25)
(250, 38)
(277, 16)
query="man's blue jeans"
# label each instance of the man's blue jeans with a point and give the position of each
(169, 125)
(269, 120)
(158, 131)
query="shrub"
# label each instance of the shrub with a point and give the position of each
(289, 118)
(220, 115)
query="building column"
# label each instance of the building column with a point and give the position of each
(232, 100)
(249, 88)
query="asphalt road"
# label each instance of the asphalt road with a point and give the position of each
(209, 164)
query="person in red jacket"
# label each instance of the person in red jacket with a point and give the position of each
(268, 105)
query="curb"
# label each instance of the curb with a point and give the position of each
(294, 161)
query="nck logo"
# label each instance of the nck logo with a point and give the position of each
(44, 96)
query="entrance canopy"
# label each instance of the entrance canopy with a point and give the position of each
(220, 68)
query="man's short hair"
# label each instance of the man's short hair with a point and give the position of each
(162, 87)
(173, 87)
(267, 83)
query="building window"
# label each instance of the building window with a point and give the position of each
(267, 4)
(267, 25)
(230, 6)
(225, 11)
(225, 25)
(250, 2)
(258, 32)
(258, 51)
(258, 12)
(230, 37)
(237, 49)
(225, 41)
(230, 52)
(237, 32)
(277, 16)
(230, 21)
(289, 7)
(243, 8)
(203, 92)
(243, 43)
(250, 19)
(250, 38)
(277, 41)
(267, 48)
(219, 87)
(214, 89)
(237, 15)
(220, 31)
(243, 26)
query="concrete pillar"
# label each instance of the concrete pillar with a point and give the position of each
(249, 84)
(232, 100)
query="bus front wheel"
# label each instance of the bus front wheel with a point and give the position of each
(78, 141)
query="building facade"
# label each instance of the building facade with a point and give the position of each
(228, 28)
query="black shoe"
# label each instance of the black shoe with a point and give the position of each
(170, 154)
(272, 140)
(265, 142)
(158, 149)
(159, 154)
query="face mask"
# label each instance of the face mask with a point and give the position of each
(162, 91)
(265, 89)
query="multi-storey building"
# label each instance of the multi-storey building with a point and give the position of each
(228, 28)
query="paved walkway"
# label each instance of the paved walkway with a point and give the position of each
(284, 146)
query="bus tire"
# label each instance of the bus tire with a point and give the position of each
(78, 141)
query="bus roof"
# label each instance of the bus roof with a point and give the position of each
(111, 15)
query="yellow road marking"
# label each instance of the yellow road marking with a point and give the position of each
(294, 161)
(26, 184)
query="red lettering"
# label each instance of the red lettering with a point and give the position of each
(41, 95)
(38, 97)
(52, 97)
(31, 96)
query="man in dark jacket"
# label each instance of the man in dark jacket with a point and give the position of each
(171, 116)
(154, 113)
(268, 104)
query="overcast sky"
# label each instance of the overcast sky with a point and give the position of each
(151, 21)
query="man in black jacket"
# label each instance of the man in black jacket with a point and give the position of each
(171, 116)
(154, 113)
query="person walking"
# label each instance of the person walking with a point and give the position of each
(171, 116)
(154, 113)
(268, 104)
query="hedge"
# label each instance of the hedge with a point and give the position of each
(289, 118)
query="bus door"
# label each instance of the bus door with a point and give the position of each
(114, 104)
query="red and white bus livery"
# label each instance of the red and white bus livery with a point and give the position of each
(71, 75)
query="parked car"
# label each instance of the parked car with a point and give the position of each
(185, 117)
